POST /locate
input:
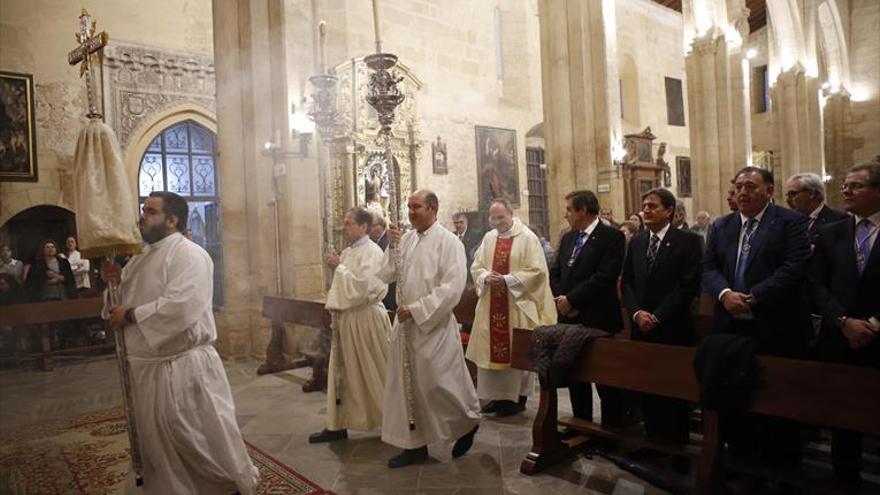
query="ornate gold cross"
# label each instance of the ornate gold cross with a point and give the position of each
(89, 44)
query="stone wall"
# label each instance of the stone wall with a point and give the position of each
(450, 47)
(864, 45)
(650, 39)
(35, 37)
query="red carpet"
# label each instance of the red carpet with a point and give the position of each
(88, 454)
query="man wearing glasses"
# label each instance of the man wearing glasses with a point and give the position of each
(805, 193)
(845, 283)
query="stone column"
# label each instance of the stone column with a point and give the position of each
(251, 109)
(838, 144)
(581, 102)
(718, 108)
(798, 123)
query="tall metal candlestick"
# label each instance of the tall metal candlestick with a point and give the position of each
(385, 96)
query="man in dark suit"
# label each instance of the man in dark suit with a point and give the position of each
(755, 260)
(584, 283)
(805, 193)
(661, 277)
(845, 285)
(469, 237)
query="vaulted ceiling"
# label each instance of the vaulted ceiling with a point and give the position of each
(757, 11)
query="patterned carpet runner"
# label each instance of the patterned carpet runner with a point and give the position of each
(88, 454)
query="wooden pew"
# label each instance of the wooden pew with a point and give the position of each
(823, 394)
(33, 316)
(280, 310)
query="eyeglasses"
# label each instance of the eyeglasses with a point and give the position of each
(791, 194)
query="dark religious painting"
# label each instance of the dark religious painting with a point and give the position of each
(497, 166)
(438, 156)
(683, 176)
(674, 102)
(18, 153)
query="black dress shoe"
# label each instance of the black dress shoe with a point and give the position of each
(463, 444)
(507, 408)
(326, 435)
(408, 456)
(490, 407)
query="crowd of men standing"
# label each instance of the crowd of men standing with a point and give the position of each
(799, 282)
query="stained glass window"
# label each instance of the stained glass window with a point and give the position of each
(182, 160)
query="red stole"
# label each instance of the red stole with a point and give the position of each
(499, 308)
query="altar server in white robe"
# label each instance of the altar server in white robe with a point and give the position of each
(513, 285)
(361, 332)
(184, 412)
(429, 284)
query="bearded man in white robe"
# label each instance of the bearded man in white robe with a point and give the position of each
(361, 331)
(189, 438)
(513, 285)
(430, 281)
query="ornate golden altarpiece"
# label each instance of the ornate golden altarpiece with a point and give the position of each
(357, 160)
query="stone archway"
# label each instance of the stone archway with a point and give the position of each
(28, 228)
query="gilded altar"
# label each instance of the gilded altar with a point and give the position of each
(359, 169)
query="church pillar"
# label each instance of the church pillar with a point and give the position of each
(251, 110)
(837, 122)
(581, 102)
(718, 102)
(798, 122)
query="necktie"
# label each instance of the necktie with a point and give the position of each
(739, 281)
(652, 251)
(579, 242)
(863, 247)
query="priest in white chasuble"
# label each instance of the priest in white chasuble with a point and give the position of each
(430, 279)
(513, 285)
(190, 441)
(361, 331)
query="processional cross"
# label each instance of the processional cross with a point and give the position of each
(90, 43)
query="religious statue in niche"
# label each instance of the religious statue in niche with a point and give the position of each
(438, 155)
(667, 171)
(376, 185)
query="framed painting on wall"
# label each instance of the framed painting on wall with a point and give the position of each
(497, 166)
(683, 176)
(18, 154)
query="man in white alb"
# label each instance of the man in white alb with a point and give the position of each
(184, 412)
(430, 282)
(361, 329)
(513, 286)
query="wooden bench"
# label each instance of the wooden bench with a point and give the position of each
(823, 394)
(41, 316)
(280, 310)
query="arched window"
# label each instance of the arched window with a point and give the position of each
(182, 160)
